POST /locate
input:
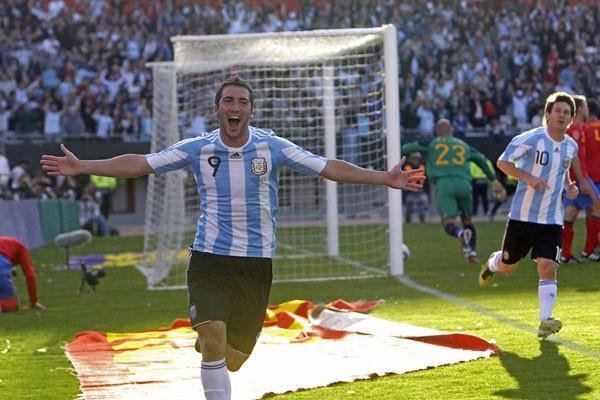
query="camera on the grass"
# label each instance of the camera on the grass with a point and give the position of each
(91, 277)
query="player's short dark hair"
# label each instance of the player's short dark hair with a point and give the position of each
(234, 81)
(557, 97)
(593, 107)
(580, 100)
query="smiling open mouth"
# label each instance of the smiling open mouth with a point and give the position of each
(234, 122)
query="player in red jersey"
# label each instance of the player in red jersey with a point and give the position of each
(14, 252)
(591, 130)
(583, 201)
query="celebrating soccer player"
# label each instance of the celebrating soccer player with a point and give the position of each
(236, 168)
(540, 159)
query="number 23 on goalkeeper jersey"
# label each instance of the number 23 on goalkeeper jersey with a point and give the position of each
(238, 187)
(536, 153)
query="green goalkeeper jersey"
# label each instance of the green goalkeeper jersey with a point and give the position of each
(447, 156)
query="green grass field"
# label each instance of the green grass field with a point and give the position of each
(445, 296)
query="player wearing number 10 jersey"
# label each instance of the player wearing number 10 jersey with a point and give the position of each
(447, 162)
(543, 156)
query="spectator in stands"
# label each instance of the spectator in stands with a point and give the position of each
(28, 118)
(5, 114)
(13, 252)
(476, 115)
(4, 169)
(104, 187)
(460, 123)
(52, 118)
(71, 122)
(472, 47)
(105, 123)
(496, 130)
(350, 136)
(146, 123)
(480, 187)
(8, 83)
(426, 118)
(66, 187)
(41, 187)
(90, 217)
(20, 180)
(520, 104)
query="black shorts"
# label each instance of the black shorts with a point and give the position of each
(543, 240)
(231, 289)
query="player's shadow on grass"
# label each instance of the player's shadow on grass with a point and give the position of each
(543, 377)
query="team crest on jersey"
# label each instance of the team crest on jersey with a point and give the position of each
(258, 165)
(566, 163)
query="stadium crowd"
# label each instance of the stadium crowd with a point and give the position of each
(71, 68)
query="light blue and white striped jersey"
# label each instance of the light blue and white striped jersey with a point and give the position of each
(238, 187)
(538, 154)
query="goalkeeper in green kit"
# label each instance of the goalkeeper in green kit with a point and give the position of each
(447, 164)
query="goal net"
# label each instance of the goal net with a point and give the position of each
(332, 92)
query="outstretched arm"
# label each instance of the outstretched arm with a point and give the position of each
(414, 147)
(486, 165)
(124, 166)
(342, 171)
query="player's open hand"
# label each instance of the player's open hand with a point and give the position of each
(411, 181)
(68, 165)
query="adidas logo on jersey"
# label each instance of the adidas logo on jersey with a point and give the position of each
(235, 156)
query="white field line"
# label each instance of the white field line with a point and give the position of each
(473, 307)
(499, 317)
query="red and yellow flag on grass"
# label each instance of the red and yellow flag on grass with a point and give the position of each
(293, 353)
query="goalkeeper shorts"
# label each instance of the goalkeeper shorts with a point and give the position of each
(454, 197)
(231, 289)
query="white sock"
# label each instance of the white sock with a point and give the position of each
(547, 291)
(215, 380)
(494, 260)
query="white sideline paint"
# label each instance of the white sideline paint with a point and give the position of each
(499, 317)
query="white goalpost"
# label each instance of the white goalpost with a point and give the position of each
(333, 92)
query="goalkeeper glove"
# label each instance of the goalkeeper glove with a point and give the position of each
(498, 191)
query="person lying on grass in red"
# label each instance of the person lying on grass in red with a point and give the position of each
(12, 253)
